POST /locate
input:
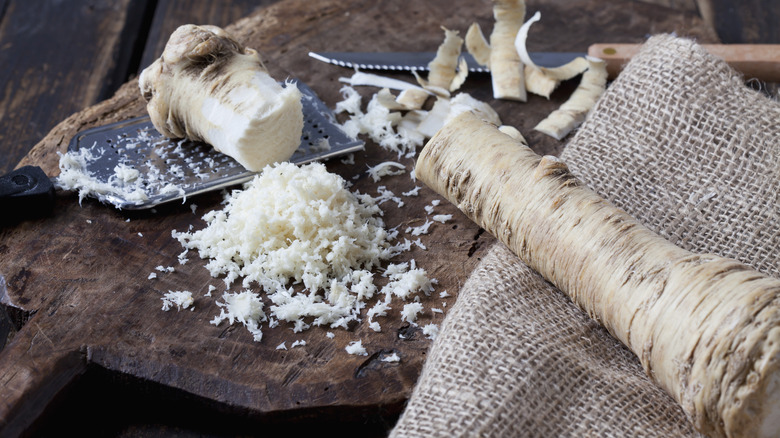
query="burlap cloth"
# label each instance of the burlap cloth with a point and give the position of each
(679, 142)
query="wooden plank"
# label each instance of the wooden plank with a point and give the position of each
(745, 22)
(170, 14)
(84, 270)
(680, 5)
(59, 58)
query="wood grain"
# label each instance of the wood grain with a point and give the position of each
(82, 273)
(170, 14)
(746, 21)
(59, 58)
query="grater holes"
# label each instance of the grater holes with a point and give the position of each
(199, 165)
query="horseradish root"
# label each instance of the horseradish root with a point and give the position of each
(705, 328)
(208, 87)
(506, 70)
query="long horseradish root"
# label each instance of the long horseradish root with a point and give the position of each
(705, 328)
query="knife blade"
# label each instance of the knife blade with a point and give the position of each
(418, 61)
(760, 61)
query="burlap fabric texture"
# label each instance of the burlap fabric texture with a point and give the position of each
(680, 143)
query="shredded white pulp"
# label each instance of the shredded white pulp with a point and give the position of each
(311, 245)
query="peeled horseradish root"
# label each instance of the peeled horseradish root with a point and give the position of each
(208, 87)
(705, 328)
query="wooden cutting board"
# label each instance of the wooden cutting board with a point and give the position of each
(77, 282)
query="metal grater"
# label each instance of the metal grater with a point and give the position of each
(170, 170)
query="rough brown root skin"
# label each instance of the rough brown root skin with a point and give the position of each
(705, 328)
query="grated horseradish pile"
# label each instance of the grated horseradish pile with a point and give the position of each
(296, 225)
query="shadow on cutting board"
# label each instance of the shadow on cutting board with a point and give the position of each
(105, 403)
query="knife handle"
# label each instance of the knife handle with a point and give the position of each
(760, 61)
(25, 193)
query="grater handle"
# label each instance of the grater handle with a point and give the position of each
(25, 193)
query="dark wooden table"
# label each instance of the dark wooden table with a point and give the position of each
(59, 58)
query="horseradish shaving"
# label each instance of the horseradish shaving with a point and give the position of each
(181, 299)
(75, 175)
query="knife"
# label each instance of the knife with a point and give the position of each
(760, 61)
(418, 61)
